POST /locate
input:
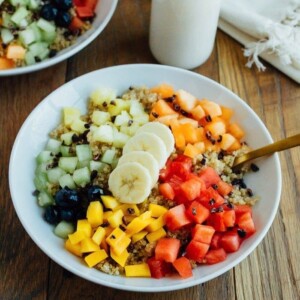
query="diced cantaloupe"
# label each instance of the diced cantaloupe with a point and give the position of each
(198, 112)
(6, 63)
(235, 146)
(178, 134)
(162, 108)
(186, 100)
(227, 141)
(236, 131)
(191, 121)
(189, 132)
(164, 90)
(200, 134)
(227, 113)
(211, 108)
(200, 146)
(191, 151)
(15, 52)
(167, 119)
(216, 127)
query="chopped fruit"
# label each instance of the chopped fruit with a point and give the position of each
(196, 250)
(167, 249)
(183, 267)
(215, 256)
(185, 100)
(211, 108)
(236, 131)
(95, 257)
(176, 217)
(164, 90)
(140, 270)
(203, 233)
(227, 141)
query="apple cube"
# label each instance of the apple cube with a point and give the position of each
(141, 119)
(78, 126)
(102, 95)
(122, 119)
(120, 139)
(100, 117)
(130, 130)
(116, 106)
(136, 108)
(108, 156)
(70, 114)
(104, 134)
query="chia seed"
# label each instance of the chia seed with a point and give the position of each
(241, 232)
(254, 167)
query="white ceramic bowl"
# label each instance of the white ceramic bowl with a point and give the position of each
(33, 136)
(104, 11)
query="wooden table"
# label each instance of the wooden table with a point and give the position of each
(272, 271)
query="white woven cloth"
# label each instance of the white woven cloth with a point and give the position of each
(267, 28)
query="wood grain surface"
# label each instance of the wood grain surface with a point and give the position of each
(272, 271)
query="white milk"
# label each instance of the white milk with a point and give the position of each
(182, 32)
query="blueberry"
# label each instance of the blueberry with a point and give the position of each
(94, 192)
(51, 215)
(67, 198)
(63, 4)
(63, 19)
(67, 214)
(48, 12)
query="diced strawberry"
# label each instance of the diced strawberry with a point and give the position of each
(197, 212)
(230, 241)
(176, 217)
(196, 250)
(215, 256)
(203, 233)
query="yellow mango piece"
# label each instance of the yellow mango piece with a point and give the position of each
(156, 224)
(106, 215)
(99, 235)
(94, 213)
(139, 223)
(95, 257)
(128, 219)
(157, 210)
(129, 209)
(115, 219)
(110, 202)
(76, 237)
(70, 114)
(122, 245)
(88, 245)
(156, 235)
(120, 259)
(140, 270)
(73, 248)
(138, 236)
(108, 230)
(115, 236)
(85, 227)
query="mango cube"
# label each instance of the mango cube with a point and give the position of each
(95, 257)
(94, 213)
(138, 236)
(76, 237)
(70, 114)
(85, 227)
(156, 224)
(73, 248)
(118, 240)
(110, 202)
(115, 219)
(88, 245)
(120, 259)
(140, 270)
(139, 223)
(156, 235)
(106, 215)
(130, 209)
(157, 210)
(99, 235)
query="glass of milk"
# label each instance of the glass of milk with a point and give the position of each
(182, 32)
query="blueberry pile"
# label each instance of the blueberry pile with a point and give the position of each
(71, 205)
(57, 11)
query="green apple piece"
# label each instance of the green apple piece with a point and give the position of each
(120, 139)
(70, 114)
(116, 106)
(99, 96)
(109, 156)
(136, 108)
(78, 126)
(100, 117)
(104, 134)
(141, 119)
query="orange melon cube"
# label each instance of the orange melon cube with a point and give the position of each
(236, 131)
(191, 151)
(227, 141)
(200, 146)
(200, 134)
(15, 52)
(186, 100)
(178, 134)
(235, 146)
(164, 90)
(227, 113)
(162, 108)
(167, 119)
(198, 112)
(191, 121)
(211, 147)
(189, 132)
(216, 128)
(211, 108)
(6, 63)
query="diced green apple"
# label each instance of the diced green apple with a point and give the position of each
(102, 95)
(70, 114)
(104, 134)
(100, 117)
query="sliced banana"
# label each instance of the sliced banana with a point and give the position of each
(148, 142)
(130, 183)
(145, 159)
(161, 131)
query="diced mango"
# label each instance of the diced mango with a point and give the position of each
(115, 219)
(70, 114)
(156, 235)
(128, 219)
(94, 213)
(122, 245)
(75, 249)
(99, 235)
(157, 210)
(129, 209)
(138, 236)
(108, 230)
(88, 245)
(139, 223)
(120, 259)
(76, 237)
(156, 224)
(106, 215)
(140, 270)
(95, 257)
(110, 202)
(85, 227)
(115, 236)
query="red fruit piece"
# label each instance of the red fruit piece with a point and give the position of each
(183, 267)
(166, 190)
(197, 212)
(191, 189)
(246, 223)
(230, 241)
(167, 249)
(215, 256)
(203, 233)
(210, 176)
(176, 217)
(196, 250)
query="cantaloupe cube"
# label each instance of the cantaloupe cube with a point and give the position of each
(88, 245)
(73, 248)
(191, 151)
(162, 108)
(235, 146)
(200, 146)
(99, 235)
(189, 132)
(227, 113)
(157, 210)
(164, 90)
(115, 219)
(216, 128)
(94, 213)
(178, 134)
(227, 141)
(167, 119)
(198, 112)
(186, 100)
(190, 121)
(211, 108)
(138, 236)
(95, 257)
(140, 270)
(200, 134)
(120, 259)
(236, 131)
(156, 235)
(85, 227)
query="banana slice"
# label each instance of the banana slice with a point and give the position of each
(130, 183)
(161, 131)
(145, 159)
(148, 142)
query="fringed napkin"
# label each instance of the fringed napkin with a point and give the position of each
(267, 28)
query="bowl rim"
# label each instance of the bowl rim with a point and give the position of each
(183, 284)
(68, 53)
